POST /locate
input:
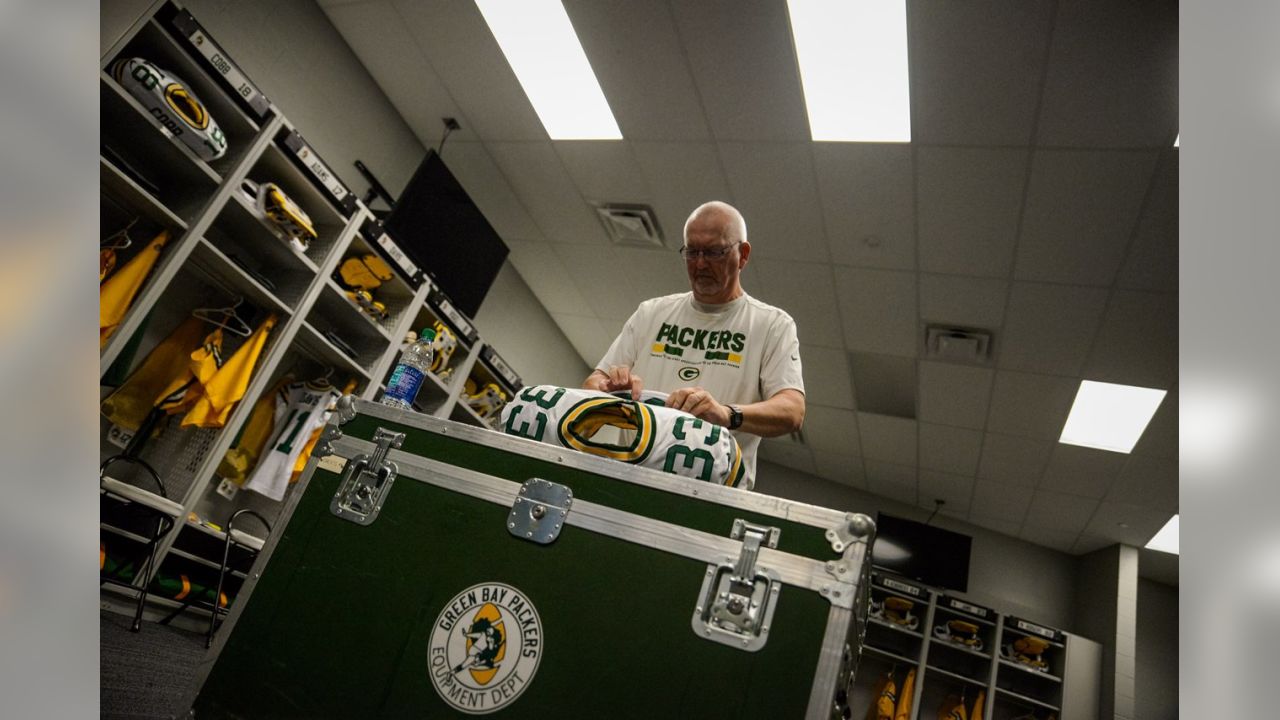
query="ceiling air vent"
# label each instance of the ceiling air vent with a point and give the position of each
(962, 345)
(633, 225)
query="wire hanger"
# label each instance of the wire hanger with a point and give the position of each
(225, 318)
(119, 240)
(323, 380)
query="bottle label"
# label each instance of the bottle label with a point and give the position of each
(404, 383)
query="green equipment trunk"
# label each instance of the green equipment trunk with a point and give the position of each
(432, 569)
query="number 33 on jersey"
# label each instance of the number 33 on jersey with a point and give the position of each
(655, 436)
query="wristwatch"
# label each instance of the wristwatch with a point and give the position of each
(735, 417)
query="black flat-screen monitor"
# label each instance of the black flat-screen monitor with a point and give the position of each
(435, 223)
(922, 552)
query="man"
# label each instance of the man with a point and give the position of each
(722, 355)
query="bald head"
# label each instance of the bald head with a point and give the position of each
(724, 215)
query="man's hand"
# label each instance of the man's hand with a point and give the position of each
(700, 404)
(618, 378)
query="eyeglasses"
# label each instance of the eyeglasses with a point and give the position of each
(711, 255)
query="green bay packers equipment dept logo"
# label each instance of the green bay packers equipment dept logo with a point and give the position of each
(485, 647)
(688, 374)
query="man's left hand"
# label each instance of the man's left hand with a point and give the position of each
(700, 404)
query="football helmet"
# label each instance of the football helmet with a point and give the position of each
(1027, 650)
(170, 101)
(960, 632)
(895, 610)
(488, 401)
(282, 216)
(442, 348)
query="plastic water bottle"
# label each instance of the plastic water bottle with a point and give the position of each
(406, 379)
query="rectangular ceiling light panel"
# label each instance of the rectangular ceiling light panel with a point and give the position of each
(853, 66)
(1167, 539)
(544, 52)
(1109, 416)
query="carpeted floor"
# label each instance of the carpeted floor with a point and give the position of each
(146, 674)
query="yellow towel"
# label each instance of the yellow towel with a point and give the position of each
(224, 388)
(116, 294)
(130, 403)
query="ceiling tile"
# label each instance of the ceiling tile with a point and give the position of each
(598, 276)
(604, 171)
(1056, 511)
(387, 49)
(586, 335)
(789, 454)
(1049, 328)
(653, 271)
(1031, 405)
(884, 384)
(954, 394)
(1081, 210)
(538, 178)
(976, 70)
(955, 490)
(1142, 522)
(1013, 460)
(1112, 79)
(993, 499)
(485, 184)
(773, 186)
(839, 468)
(867, 192)
(878, 308)
(1053, 539)
(745, 70)
(896, 482)
(826, 377)
(638, 60)
(969, 204)
(548, 278)
(807, 292)
(1138, 341)
(886, 438)
(964, 301)
(1152, 263)
(998, 524)
(1147, 481)
(831, 430)
(460, 47)
(950, 449)
(680, 176)
(1082, 471)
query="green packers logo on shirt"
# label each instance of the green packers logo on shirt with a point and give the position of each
(485, 648)
(688, 374)
(695, 344)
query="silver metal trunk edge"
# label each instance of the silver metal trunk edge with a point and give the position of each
(792, 569)
(783, 509)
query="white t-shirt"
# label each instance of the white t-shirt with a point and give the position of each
(741, 352)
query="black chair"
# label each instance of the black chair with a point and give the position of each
(222, 571)
(163, 524)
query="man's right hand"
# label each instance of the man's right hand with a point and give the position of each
(619, 377)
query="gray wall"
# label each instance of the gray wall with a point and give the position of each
(1157, 660)
(525, 335)
(1006, 574)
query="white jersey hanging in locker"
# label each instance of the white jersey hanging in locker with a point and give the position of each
(303, 407)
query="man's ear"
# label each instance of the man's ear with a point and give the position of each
(744, 251)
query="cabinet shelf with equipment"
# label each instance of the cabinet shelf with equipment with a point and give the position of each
(948, 665)
(224, 251)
